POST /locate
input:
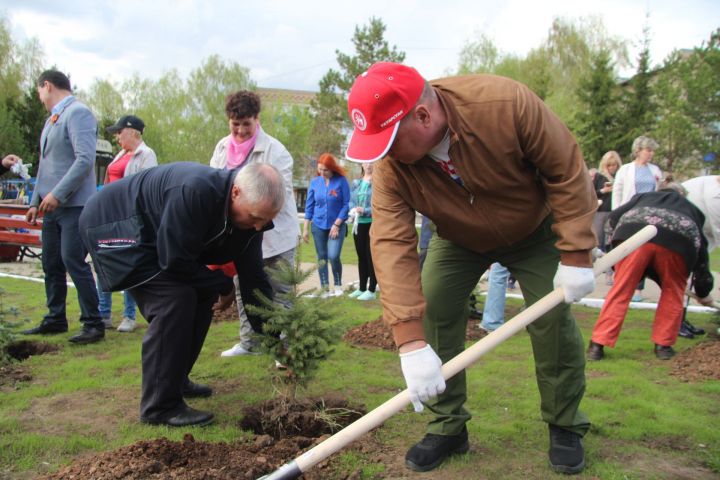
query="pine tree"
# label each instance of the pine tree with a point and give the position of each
(640, 110)
(299, 330)
(597, 122)
(330, 104)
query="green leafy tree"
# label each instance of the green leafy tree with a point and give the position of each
(555, 68)
(330, 104)
(307, 327)
(22, 115)
(107, 104)
(293, 127)
(597, 122)
(687, 95)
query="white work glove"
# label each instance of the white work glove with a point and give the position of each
(575, 281)
(421, 369)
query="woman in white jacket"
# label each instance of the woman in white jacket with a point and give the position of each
(638, 176)
(247, 144)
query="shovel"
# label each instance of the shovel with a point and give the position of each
(361, 426)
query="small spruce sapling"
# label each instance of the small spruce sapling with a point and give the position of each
(299, 330)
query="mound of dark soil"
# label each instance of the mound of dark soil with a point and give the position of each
(12, 374)
(307, 417)
(251, 459)
(376, 334)
(191, 460)
(701, 362)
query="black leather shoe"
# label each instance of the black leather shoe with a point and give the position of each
(595, 351)
(685, 331)
(183, 416)
(567, 454)
(432, 450)
(664, 353)
(88, 335)
(46, 328)
(194, 390)
(692, 328)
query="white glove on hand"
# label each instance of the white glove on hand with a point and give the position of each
(575, 281)
(421, 369)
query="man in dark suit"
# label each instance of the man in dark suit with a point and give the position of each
(66, 179)
(153, 233)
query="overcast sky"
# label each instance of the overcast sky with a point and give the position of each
(292, 43)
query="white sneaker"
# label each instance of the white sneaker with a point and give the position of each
(326, 294)
(127, 325)
(355, 294)
(339, 292)
(367, 295)
(238, 350)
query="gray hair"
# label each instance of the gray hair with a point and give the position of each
(261, 182)
(643, 142)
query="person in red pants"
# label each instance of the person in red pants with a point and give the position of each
(678, 250)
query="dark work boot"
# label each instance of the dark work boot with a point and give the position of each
(663, 352)
(567, 454)
(692, 328)
(432, 450)
(684, 331)
(595, 351)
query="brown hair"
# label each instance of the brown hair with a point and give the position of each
(330, 162)
(242, 104)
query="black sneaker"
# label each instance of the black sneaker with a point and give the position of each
(664, 353)
(566, 451)
(432, 450)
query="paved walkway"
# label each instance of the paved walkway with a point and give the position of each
(651, 294)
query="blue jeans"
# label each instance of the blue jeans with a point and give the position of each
(63, 253)
(494, 309)
(105, 305)
(328, 250)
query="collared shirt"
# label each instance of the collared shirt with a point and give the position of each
(61, 104)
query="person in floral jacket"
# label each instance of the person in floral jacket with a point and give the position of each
(678, 250)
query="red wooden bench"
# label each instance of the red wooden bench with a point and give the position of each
(9, 236)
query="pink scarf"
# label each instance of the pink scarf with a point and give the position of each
(237, 153)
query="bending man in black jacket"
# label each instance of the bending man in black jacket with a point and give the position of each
(154, 233)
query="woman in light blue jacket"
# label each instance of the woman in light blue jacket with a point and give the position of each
(361, 210)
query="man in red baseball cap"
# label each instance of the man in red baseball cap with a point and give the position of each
(504, 181)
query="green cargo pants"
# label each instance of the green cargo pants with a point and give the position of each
(450, 274)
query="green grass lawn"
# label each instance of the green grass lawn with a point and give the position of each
(646, 423)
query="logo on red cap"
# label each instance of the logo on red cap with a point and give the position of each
(359, 119)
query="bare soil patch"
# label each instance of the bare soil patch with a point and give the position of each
(699, 363)
(307, 417)
(376, 334)
(11, 375)
(24, 349)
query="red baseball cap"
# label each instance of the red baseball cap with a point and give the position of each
(378, 100)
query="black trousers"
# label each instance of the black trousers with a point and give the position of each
(365, 264)
(179, 314)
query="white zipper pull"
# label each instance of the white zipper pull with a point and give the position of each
(472, 198)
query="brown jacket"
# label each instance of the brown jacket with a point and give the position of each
(518, 162)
